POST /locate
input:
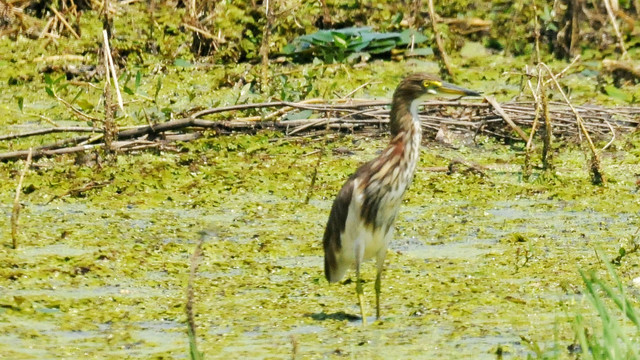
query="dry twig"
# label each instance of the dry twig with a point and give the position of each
(15, 214)
(491, 100)
(64, 22)
(612, 17)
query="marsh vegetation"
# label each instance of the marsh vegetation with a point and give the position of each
(511, 242)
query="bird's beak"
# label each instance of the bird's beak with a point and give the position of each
(448, 88)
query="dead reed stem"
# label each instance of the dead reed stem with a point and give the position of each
(15, 214)
(527, 168)
(547, 151)
(597, 176)
(536, 31)
(64, 22)
(191, 322)
(491, 100)
(110, 128)
(448, 73)
(264, 46)
(612, 17)
(109, 66)
(575, 8)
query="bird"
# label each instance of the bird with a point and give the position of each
(361, 221)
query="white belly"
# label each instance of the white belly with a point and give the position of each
(360, 238)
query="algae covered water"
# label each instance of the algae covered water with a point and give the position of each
(480, 263)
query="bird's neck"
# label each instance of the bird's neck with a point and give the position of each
(403, 115)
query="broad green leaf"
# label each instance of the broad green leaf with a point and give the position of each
(340, 40)
(380, 50)
(289, 49)
(405, 37)
(358, 46)
(353, 31)
(300, 115)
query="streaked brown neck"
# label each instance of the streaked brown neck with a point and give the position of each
(400, 117)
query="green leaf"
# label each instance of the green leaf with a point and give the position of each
(289, 49)
(397, 19)
(340, 40)
(85, 105)
(138, 79)
(47, 79)
(421, 52)
(158, 87)
(77, 96)
(358, 46)
(20, 102)
(405, 37)
(383, 43)
(321, 36)
(59, 79)
(182, 63)
(354, 31)
(62, 87)
(616, 93)
(49, 91)
(300, 115)
(128, 90)
(380, 50)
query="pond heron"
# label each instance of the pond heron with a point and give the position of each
(360, 225)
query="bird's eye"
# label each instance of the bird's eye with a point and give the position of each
(426, 84)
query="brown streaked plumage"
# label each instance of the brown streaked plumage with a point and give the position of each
(360, 224)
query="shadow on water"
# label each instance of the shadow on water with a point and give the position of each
(339, 316)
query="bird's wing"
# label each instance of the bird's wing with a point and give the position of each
(335, 228)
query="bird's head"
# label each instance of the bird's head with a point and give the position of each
(409, 93)
(415, 86)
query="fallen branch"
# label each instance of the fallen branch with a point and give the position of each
(490, 118)
(45, 131)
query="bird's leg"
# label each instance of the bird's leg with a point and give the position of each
(360, 293)
(379, 267)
